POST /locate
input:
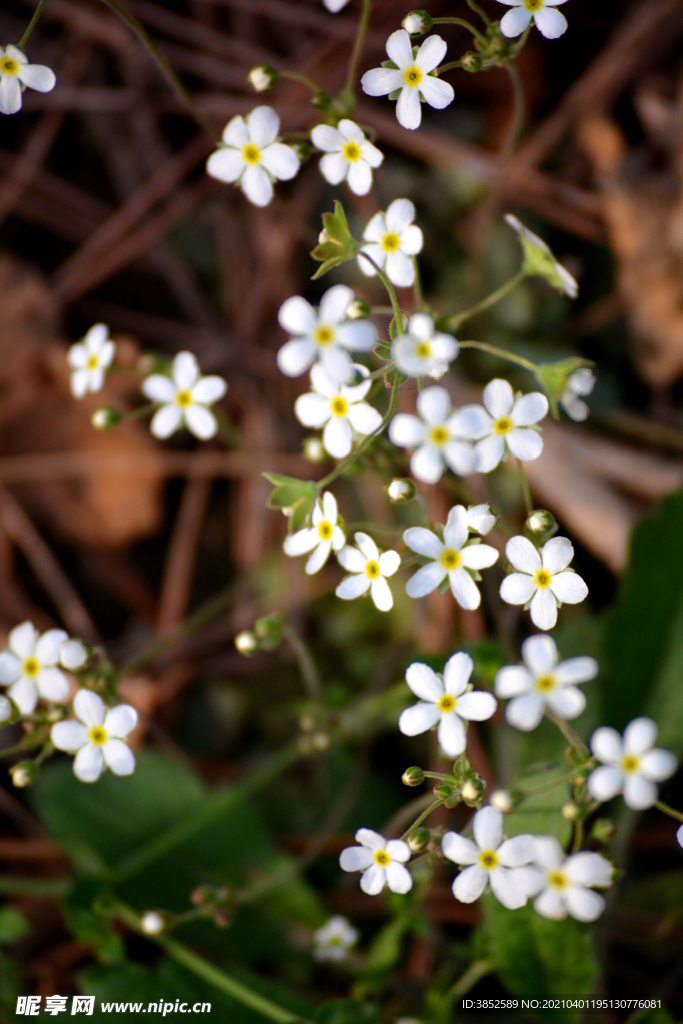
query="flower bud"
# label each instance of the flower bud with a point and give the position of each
(73, 654)
(263, 77)
(541, 523)
(321, 100)
(471, 61)
(417, 23)
(503, 800)
(247, 643)
(413, 776)
(307, 723)
(358, 310)
(443, 790)
(153, 922)
(105, 418)
(571, 811)
(603, 830)
(314, 450)
(24, 773)
(472, 790)
(202, 895)
(418, 840)
(221, 919)
(268, 631)
(320, 741)
(302, 150)
(400, 490)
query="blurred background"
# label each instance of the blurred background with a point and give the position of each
(106, 214)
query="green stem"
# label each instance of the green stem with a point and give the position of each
(421, 818)
(525, 487)
(501, 353)
(138, 413)
(671, 811)
(474, 973)
(465, 24)
(578, 837)
(20, 748)
(296, 77)
(518, 113)
(358, 46)
(309, 672)
(570, 734)
(398, 316)
(31, 25)
(490, 300)
(417, 285)
(482, 14)
(175, 82)
(549, 785)
(383, 370)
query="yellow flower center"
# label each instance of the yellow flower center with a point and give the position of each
(92, 363)
(533, 5)
(334, 940)
(488, 859)
(450, 559)
(31, 667)
(339, 406)
(323, 335)
(545, 683)
(9, 66)
(382, 858)
(97, 735)
(542, 579)
(630, 764)
(351, 152)
(557, 880)
(502, 425)
(251, 154)
(183, 399)
(438, 435)
(390, 242)
(423, 349)
(412, 76)
(325, 530)
(372, 570)
(447, 703)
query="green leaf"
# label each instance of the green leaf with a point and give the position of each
(13, 925)
(540, 814)
(345, 1011)
(386, 948)
(336, 244)
(290, 493)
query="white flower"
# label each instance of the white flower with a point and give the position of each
(437, 436)
(349, 155)
(339, 408)
(480, 519)
(538, 257)
(16, 71)
(541, 682)
(370, 570)
(448, 702)
(5, 709)
(323, 536)
(153, 923)
(566, 882)
(550, 23)
(90, 359)
(490, 860)
(423, 351)
(334, 940)
(381, 861)
(184, 398)
(505, 425)
(393, 239)
(251, 157)
(451, 558)
(73, 654)
(630, 766)
(679, 836)
(542, 580)
(412, 77)
(325, 334)
(97, 738)
(335, 5)
(579, 384)
(29, 666)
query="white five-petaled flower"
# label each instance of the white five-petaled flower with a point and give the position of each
(323, 536)
(348, 155)
(630, 766)
(334, 940)
(370, 570)
(29, 666)
(579, 384)
(251, 157)
(489, 860)
(339, 408)
(451, 558)
(411, 76)
(335, 5)
(184, 398)
(90, 359)
(480, 519)
(393, 240)
(422, 351)
(97, 738)
(549, 22)
(506, 424)
(542, 682)
(564, 883)
(543, 580)
(381, 861)
(325, 334)
(447, 703)
(539, 258)
(15, 72)
(436, 435)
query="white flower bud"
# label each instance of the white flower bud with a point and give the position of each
(24, 774)
(153, 923)
(73, 654)
(246, 643)
(470, 792)
(502, 799)
(358, 310)
(417, 23)
(570, 811)
(105, 418)
(263, 77)
(541, 523)
(314, 450)
(400, 491)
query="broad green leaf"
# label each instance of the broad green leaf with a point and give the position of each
(540, 814)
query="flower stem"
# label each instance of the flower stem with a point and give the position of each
(482, 14)
(570, 734)
(421, 818)
(578, 836)
(19, 748)
(361, 31)
(31, 25)
(398, 316)
(307, 667)
(202, 120)
(525, 487)
(671, 811)
(296, 77)
(474, 973)
(518, 112)
(501, 353)
(490, 300)
(465, 24)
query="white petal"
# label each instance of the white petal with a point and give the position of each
(569, 588)
(330, 507)
(583, 904)
(337, 437)
(334, 304)
(355, 858)
(505, 889)
(333, 167)
(543, 609)
(606, 744)
(10, 668)
(515, 21)
(389, 562)
(451, 735)
(88, 763)
(549, 853)
(363, 418)
(225, 165)
(236, 132)
(281, 161)
(523, 555)
(540, 654)
(431, 53)
(477, 706)
(406, 431)
(550, 903)
(371, 154)
(380, 593)
(368, 837)
(89, 708)
(529, 409)
(324, 137)
(47, 647)
(118, 757)
(312, 410)
(399, 879)
(424, 682)
(519, 850)
(80, 382)
(426, 464)
(557, 554)
(120, 721)
(380, 81)
(408, 110)
(525, 712)
(512, 681)
(95, 339)
(23, 639)
(473, 421)
(263, 124)
(351, 559)
(425, 580)
(412, 240)
(367, 546)
(208, 390)
(357, 336)
(318, 558)
(185, 371)
(418, 719)
(639, 735)
(639, 792)
(489, 452)
(464, 589)
(487, 828)
(589, 869)
(69, 736)
(550, 23)
(297, 316)
(498, 398)
(479, 556)
(459, 849)
(423, 541)
(373, 880)
(159, 388)
(337, 363)
(605, 782)
(400, 269)
(437, 93)
(257, 186)
(301, 542)
(517, 588)
(658, 764)
(201, 421)
(295, 357)
(24, 693)
(52, 684)
(525, 444)
(10, 94)
(360, 182)
(567, 703)
(398, 850)
(455, 531)
(456, 673)
(461, 457)
(400, 50)
(576, 670)
(376, 228)
(353, 586)
(469, 885)
(166, 421)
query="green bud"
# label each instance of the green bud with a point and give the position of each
(401, 490)
(321, 100)
(472, 790)
(247, 643)
(541, 523)
(419, 839)
(571, 811)
(443, 791)
(358, 310)
(540, 262)
(268, 631)
(472, 61)
(106, 418)
(413, 776)
(24, 774)
(203, 895)
(603, 830)
(417, 23)
(263, 77)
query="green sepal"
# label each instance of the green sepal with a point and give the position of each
(553, 377)
(338, 244)
(389, 64)
(289, 493)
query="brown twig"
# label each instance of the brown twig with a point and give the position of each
(182, 552)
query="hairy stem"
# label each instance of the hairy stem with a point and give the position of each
(482, 13)
(465, 24)
(421, 818)
(490, 300)
(313, 86)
